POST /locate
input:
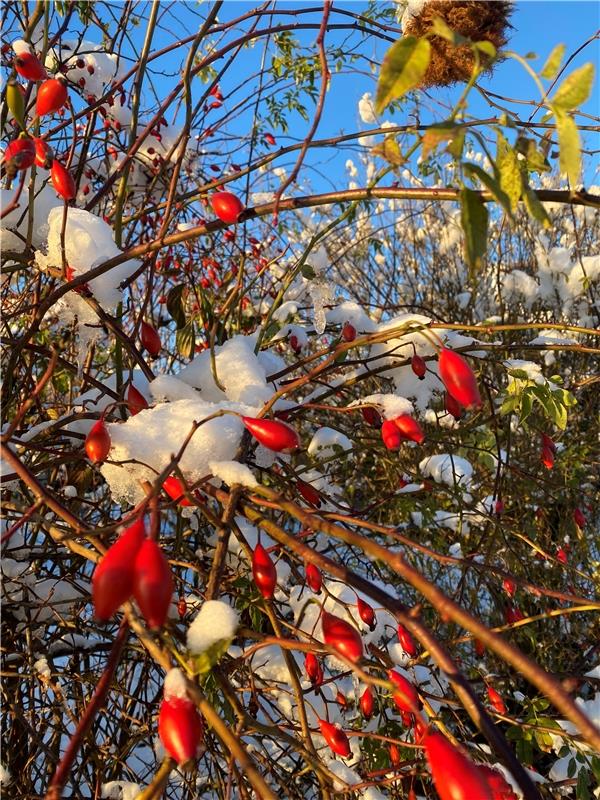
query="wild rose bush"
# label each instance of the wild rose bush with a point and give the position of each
(258, 539)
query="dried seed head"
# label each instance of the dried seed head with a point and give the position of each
(470, 18)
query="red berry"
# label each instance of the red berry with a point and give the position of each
(313, 669)
(371, 416)
(295, 344)
(52, 96)
(341, 636)
(500, 789)
(30, 67)
(226, 206)
(407, 642)
(367, 703)
(404, 695)
(579, 518)
(19, 154)
(272, 434)
(269, 139)
(348, 332)
(409, 428)
(44, 154)
(390, 434)
(509, 586)
(479, 648)
(314, 578)
(136, 401)
(395, 755)
(180, 729)
(366, 613)
(459, 379)
(455, 776)
(309, 493)
(176, 490)
(62, 180)
(513, 614)
(561, 555)
(496, 700)
(340, 699)
(112, 581)
(264, 572)
(152, 584)
(150, 339)
(419, 367)
(547, 457)
(453, 407)
(97, 443)
(181, 607)
(335, 738)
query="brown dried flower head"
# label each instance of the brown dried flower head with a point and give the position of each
(478, 20)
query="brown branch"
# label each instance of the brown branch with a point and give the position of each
(61, 774)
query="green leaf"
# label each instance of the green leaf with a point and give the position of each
(553, 62)
(440, 28)
(389, 149)
(175, 305)
(510, 172)
(403, 67)
(526, 406)
(570, 147)
(487, 48)
(571, 767)
(583, 785)
(490, 183)
(204, 662)
(474, 220)
(575, 89)
(509, 405)
(535, 209)
(308, 272)
(185, 340)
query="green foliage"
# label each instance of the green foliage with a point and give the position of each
(553, 62)
(403, 67)
(474, 220)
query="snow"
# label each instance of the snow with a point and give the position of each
(21, 46)
(239, 370)
(392, 405)
(5, 776)
(175, 684)
(349, 311)
(285, 311)
(231, 472)
(366, 109)
(413, 9)
(120, 790)
(348, 776)
(42, 668)
(149, 440)
(326, 441)
(447, 468)
(104, 64)
(88, 243)
(45, 200)
(214, 622)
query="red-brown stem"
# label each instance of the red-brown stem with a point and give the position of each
(61, 775)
